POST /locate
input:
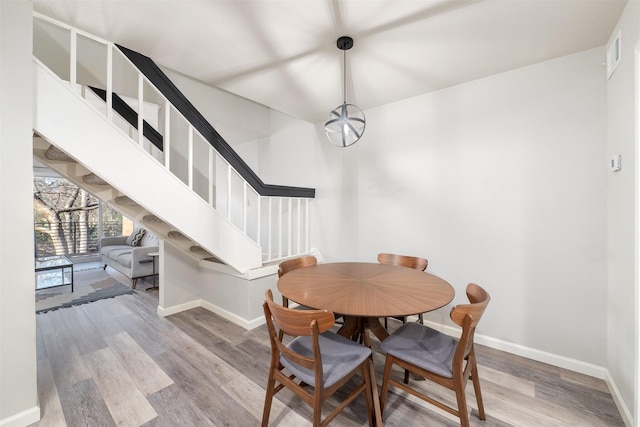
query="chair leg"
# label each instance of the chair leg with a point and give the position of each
(133, 283)
(368, 392)
(271, 383)
(476, 385)
(463, 412)
(105, 267)
(406, 372)
(317, 408)
(388, 363)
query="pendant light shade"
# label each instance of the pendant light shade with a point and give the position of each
(345, 125)
(346, 122)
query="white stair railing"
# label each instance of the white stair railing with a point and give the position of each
(279, 225)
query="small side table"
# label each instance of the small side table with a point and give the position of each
(153, 256)
(58, 262)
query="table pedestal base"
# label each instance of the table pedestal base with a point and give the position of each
(354, 328)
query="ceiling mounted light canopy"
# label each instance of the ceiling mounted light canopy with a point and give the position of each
(346, 122)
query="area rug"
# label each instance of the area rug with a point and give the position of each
(88, 286)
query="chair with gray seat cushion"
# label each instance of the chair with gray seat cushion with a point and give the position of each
(315, 357)
(438, 357)
(293, 264)
(416, 263)
(407, 261)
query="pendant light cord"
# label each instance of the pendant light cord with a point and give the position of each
(345, 127)
(344, 76)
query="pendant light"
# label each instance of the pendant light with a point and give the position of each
(346, 122)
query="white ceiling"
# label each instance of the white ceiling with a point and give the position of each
(282, 53)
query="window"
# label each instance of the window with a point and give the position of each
(69, 220)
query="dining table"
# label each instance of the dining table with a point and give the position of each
(363, 293)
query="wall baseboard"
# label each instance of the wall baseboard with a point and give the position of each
(247, 324)
(24, 418)
(627, 417)
(551, 359)
(254, 273)
(530, 353)
(168, 311)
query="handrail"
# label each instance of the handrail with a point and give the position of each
(160, 80)
(130, 115)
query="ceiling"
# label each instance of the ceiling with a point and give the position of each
(283, 54)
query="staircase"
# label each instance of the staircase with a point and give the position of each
(75, 172)
(88, 144)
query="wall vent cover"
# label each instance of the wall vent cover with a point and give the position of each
(614, 52)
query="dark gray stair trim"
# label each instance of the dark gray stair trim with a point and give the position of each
(160, 80)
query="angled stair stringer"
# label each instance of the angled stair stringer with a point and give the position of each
(63, 119)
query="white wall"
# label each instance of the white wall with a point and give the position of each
(18, 393)
(185, 285)
(294, 142)
(502, 182)
(235, 298)
(177, 287)
(622, 187)
(237, 119)
(256, 132)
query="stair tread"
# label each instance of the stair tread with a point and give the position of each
(94, 179)
(125, 201)
(176, 235)
(152, 219)
(199, 251)
(54, 153)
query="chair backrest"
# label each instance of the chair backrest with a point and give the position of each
(296, 323)
(479, 299)
(467, 316)
(403, 261)
(292, 264)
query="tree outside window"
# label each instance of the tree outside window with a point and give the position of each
(67, 218)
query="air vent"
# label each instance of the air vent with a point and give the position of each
(614, 52)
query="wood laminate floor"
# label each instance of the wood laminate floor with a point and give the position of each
(116, 362)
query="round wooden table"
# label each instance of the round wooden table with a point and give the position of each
(366, 291)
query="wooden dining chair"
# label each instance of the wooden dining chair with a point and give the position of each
(439, 357)
(314, 356)
(403, 261)
(293, 264)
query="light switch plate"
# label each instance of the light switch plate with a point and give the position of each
(615, 164)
